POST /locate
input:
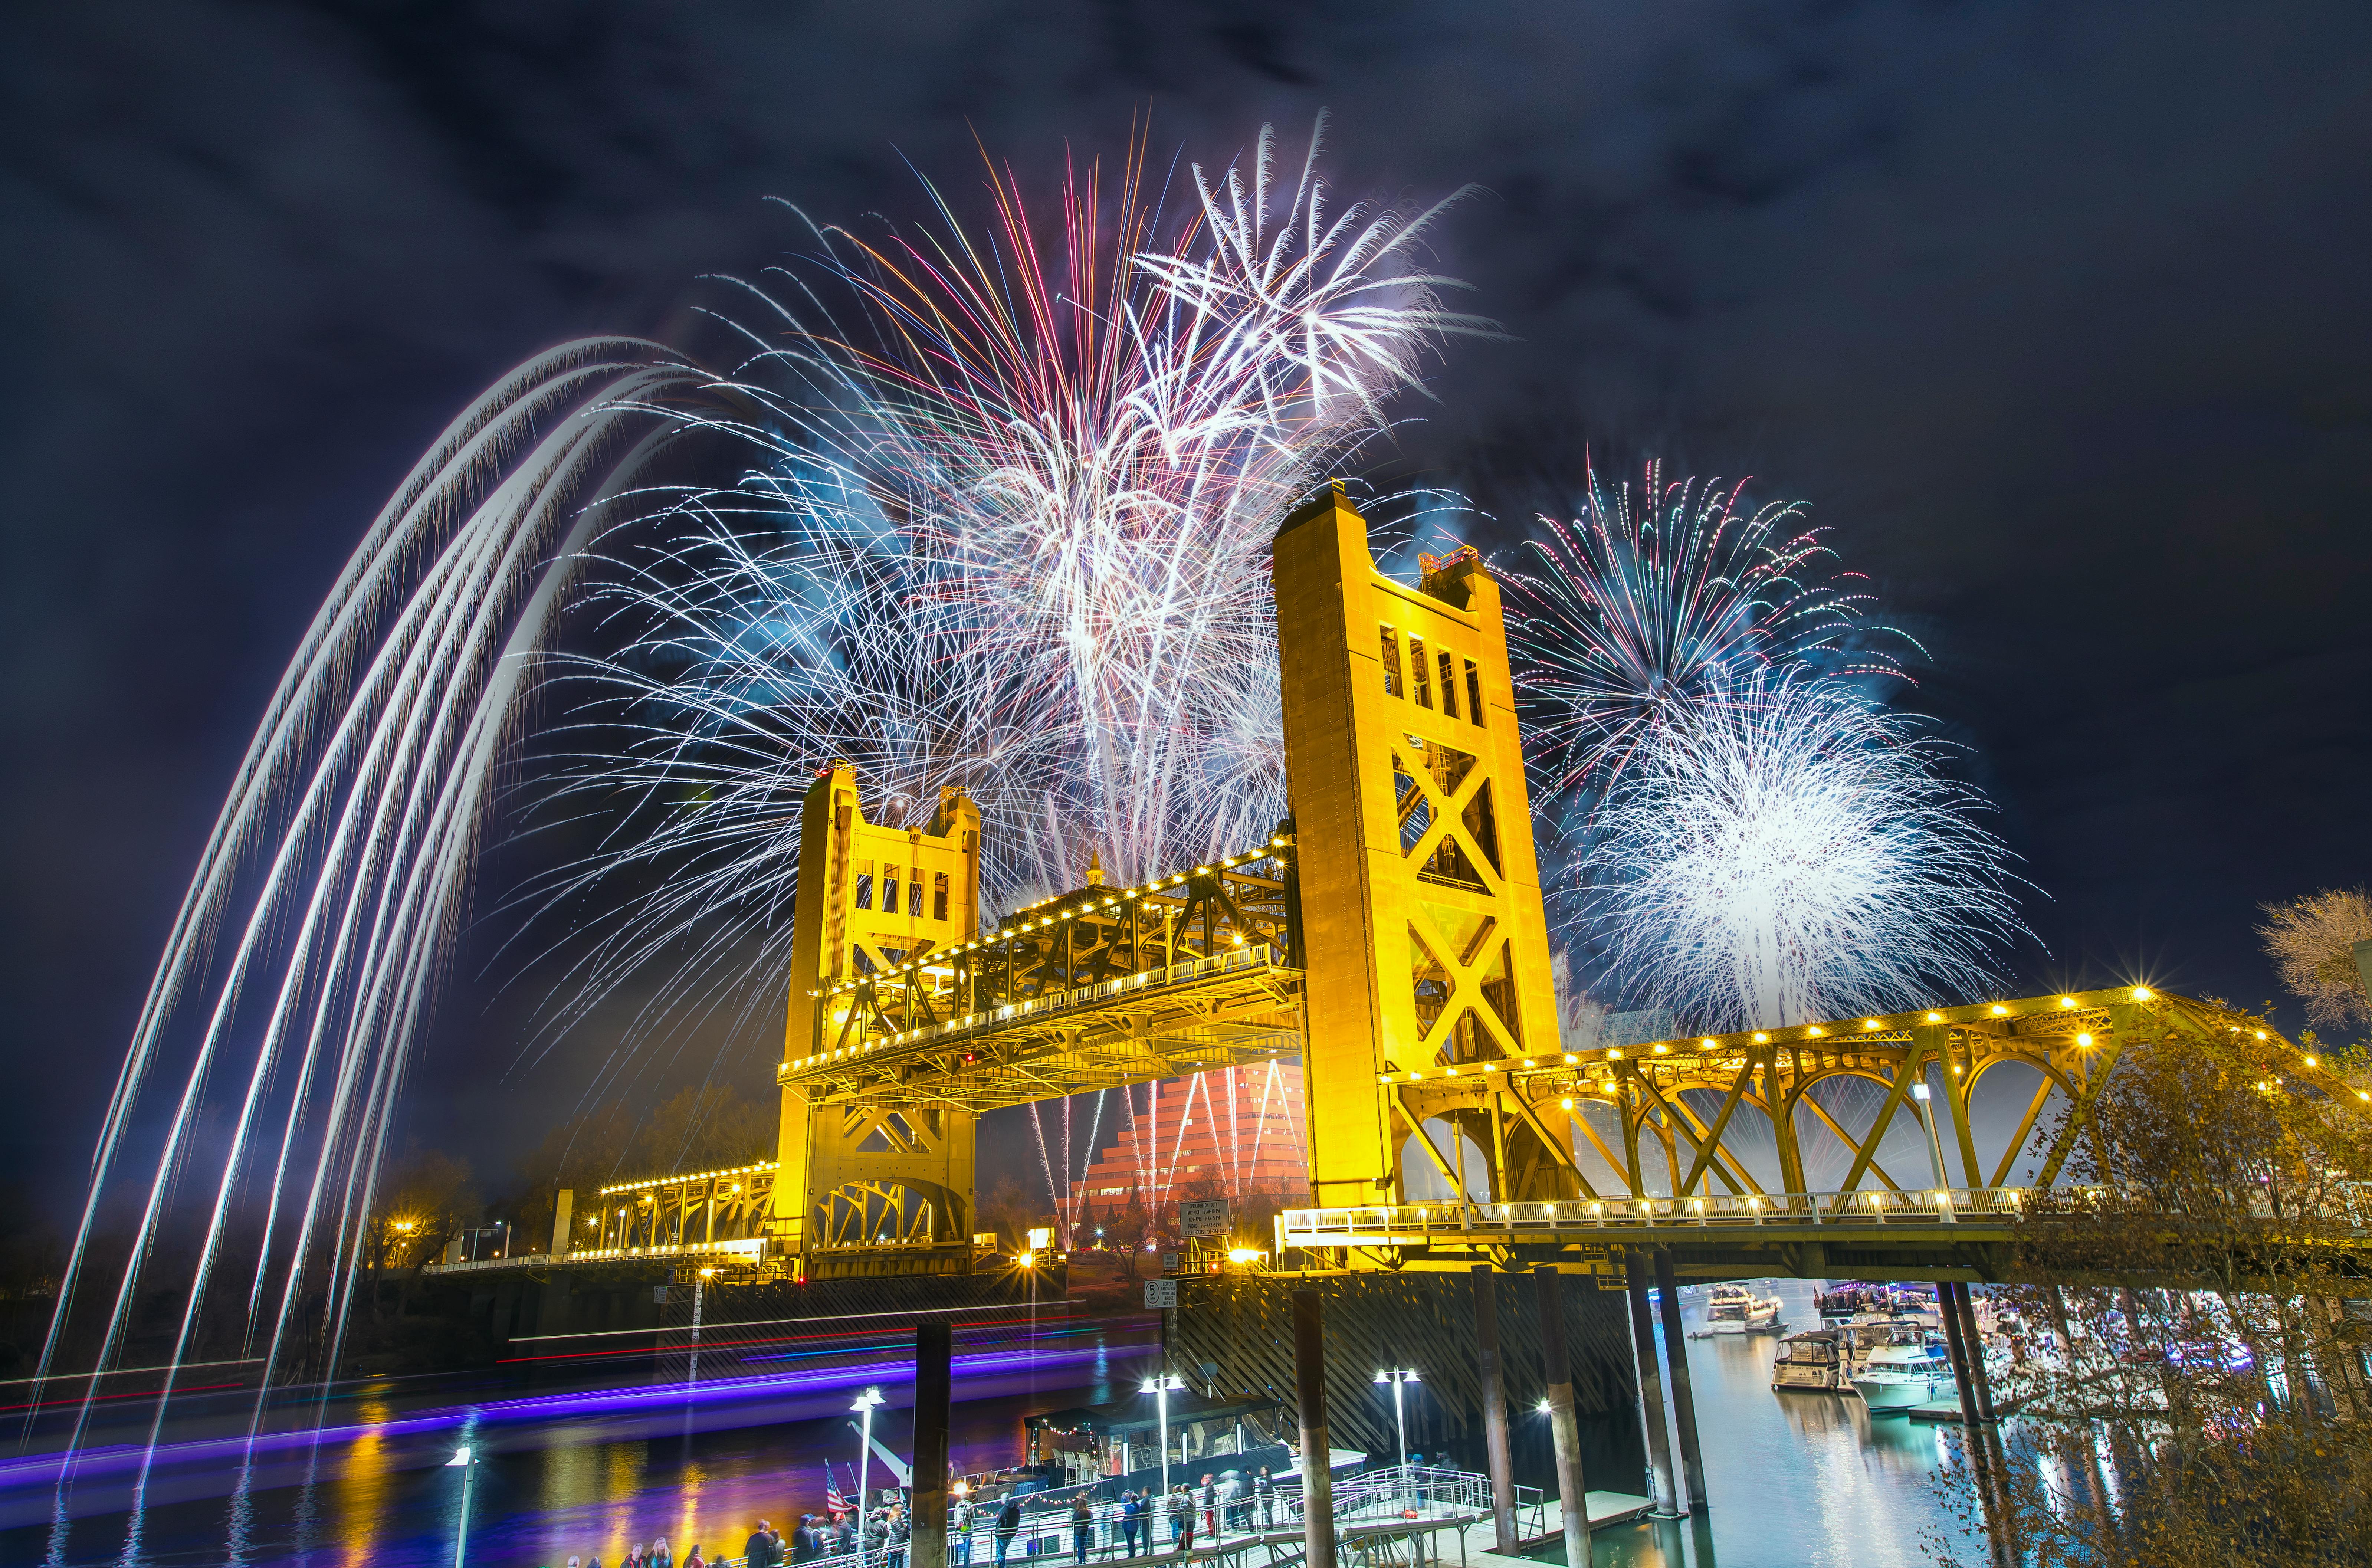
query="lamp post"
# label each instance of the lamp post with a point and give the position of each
(1159, 1386)
(1399, 1377)
(864, 1408)
(462, 1537)
(1935, 1144)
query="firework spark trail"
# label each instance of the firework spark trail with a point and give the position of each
(1785, 851)
(341, 853)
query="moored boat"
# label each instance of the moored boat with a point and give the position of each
(1898, 1377)
(1738, 1311)
(1813, 1362)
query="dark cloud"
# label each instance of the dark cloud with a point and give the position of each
(2056, 314)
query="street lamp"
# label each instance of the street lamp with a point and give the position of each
(864, 1406)
(1399, 1377)
(462, 1537)
(1919, 1092)
(1159, 1386)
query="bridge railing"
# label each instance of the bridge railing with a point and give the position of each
(1335, 1228)
(1257, 955)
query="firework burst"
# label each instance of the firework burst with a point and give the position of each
(1782, 850)
(1651, 596)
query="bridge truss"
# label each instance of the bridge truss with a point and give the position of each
(1099, 988)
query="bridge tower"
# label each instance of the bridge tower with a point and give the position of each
(871, 899)
(1428, 974)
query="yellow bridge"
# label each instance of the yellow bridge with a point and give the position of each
(1390, 935)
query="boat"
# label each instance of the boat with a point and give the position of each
(1862, 1300)
(1898, 1377)
(1738, 1311)
(1813, 1362)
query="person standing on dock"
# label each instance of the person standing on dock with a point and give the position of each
(959, 1533)
(1008, 1525)
(1132, 1512)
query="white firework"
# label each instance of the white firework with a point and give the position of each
(1781, 850)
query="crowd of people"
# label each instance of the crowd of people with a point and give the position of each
(1131, 1524)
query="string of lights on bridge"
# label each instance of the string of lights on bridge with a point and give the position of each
(937, 957)
(1885, 1024)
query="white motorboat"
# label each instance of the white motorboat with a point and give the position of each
(1813, 1362)
(1898, 1377)
(1738, 1311)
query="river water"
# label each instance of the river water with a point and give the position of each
(1796, 1478)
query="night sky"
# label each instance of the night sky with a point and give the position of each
(2058, 315)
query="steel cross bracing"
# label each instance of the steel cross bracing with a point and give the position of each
(1732, 1116)
(1098, 988)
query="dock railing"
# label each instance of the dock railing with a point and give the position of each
(1377, 1513)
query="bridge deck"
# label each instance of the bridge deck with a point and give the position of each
(1224, 1010)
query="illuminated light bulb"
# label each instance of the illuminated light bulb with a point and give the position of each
(2083, 1039)
(2260, 1034)
(1661, 1048)
(1869, 1023)
(1816, 1031)
(1452, 1072)
(2310, 1061)
(1762, 1039)
(1704, 1045)
(1935, 1017)
(1566, 1102)
(2141, 992)
(2000, 1011)
(1614, 1056)
(1415, 1076)
(1570, 1059)
(1528, 1060)
(2067, 1001)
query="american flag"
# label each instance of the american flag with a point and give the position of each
(833, 1501)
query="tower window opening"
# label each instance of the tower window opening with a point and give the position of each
(938, 894)
(864, 884)
(1390, 651)
(1449, 685)
(1473, 692)
(1420, 673)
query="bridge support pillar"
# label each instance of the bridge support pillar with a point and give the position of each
(1676, 1362)
(1501, 1456)
(1651, 1385)
(934, 1391)
(1572, 1486)
(1316, 1446)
